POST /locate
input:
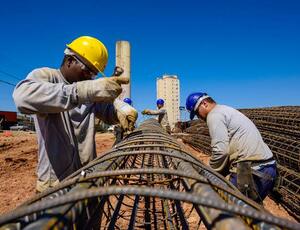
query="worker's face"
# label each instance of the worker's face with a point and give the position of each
(84, 70)
(202, 110)
(159, 106)
(74, 70)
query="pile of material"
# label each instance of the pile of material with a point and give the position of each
(280, 129)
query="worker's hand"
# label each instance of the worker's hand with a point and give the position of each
(118, 71)
(120, 80)
(127, 115)
(145, 111)
(100, 90)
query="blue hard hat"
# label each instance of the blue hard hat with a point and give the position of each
(160, 101)
(191, 102)
(128, 101)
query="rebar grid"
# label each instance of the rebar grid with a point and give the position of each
(147, 181)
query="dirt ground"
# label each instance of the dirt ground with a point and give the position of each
(18, 159)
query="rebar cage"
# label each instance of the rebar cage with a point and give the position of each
(147, 181)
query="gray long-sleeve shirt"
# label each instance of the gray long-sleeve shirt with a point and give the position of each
(234, 138)
(65, 129)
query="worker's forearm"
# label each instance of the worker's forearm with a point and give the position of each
(43, 97)
(155, 112)
(219, 161)
(219, 158)
(219, 141)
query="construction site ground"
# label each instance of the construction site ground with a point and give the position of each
(18, 160)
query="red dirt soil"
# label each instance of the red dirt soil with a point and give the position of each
(18, 159)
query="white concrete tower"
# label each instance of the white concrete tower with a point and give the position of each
(123, 60)
(168, 88)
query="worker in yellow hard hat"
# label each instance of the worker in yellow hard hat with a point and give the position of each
(65, 102)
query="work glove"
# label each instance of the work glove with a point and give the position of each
(100, 90)
(146, 111)
(127, 115)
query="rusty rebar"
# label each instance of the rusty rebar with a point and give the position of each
(146, 181)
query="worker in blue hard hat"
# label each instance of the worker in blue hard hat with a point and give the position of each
(237, 146)
(161, 114)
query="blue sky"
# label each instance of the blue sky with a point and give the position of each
(243, 53)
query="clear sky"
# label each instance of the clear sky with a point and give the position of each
(243, 53)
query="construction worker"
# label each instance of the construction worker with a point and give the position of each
(118, 130)
(237, 146)
(161, 112)
(65, 102)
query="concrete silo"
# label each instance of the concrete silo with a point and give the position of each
(123, 60)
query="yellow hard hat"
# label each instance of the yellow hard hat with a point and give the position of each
(92, 50)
